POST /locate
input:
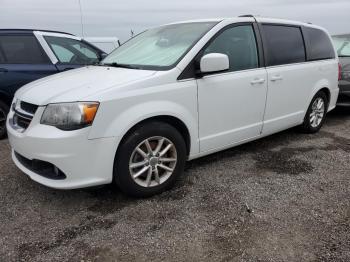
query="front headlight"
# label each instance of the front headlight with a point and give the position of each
(70, 116)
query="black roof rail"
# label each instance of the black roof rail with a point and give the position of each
(31, 30)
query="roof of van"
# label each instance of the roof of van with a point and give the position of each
(252, 18)
(20, 30)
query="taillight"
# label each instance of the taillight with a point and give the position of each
(339, 71)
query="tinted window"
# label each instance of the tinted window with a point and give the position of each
(239, 44)
(320, 45)
(22, 49)
(284, 44)
(72, 51)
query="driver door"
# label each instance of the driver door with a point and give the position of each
(232, 103)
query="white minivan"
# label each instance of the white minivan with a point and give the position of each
(171, 94)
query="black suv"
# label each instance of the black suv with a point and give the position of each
(27, 55)
(342, 44)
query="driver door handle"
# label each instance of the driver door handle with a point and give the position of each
(3, 70)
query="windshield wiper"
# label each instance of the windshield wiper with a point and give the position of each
(343, 55)
(114, 64)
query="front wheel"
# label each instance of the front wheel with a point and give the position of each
(150, 159)
(316, 114)
(4, 110)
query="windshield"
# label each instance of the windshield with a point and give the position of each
(159, 48)
(342, 45)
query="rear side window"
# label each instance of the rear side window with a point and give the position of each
(284, 44)
(320, 45)
(21, 49)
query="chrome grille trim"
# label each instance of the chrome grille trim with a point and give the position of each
(22, 118)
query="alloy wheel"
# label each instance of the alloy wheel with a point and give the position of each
(317, 112)
(153, 161)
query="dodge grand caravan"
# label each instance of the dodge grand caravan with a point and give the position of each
(171, 94)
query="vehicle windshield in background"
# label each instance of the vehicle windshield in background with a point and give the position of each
(71, 51)
(159, 48)
(342, 45)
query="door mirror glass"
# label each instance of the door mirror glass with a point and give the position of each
(214, 62)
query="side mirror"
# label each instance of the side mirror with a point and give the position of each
(214, 62)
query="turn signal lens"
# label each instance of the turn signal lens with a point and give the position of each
(89, 112)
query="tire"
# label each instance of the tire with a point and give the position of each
(4, 110)
(310, 124)
(160, 136)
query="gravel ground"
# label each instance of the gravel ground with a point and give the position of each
(282, 198)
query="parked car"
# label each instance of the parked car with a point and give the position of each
(171, 94)
(342, 45)
(27, 55)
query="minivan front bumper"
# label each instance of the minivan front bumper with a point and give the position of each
(43, 151)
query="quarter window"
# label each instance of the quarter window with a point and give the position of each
(239, 44)
(284, 44)
(320, 44)
(22, 49)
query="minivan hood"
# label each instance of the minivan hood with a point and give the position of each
(75, 85)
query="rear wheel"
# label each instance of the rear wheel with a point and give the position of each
(316, 114)
(4, 110)
(150, 159)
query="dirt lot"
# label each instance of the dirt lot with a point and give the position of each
(282, 198)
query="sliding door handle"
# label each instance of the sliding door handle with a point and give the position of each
(258, 81)
(276, 78)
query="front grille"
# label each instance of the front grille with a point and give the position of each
(24, 113)
(41, 168)
(29, 108)
(21, 120)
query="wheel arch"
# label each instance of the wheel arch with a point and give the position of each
(324, 86)
(327, 92)
(175, 122)
(172, 113)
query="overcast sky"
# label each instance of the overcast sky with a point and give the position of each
(118, 17)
